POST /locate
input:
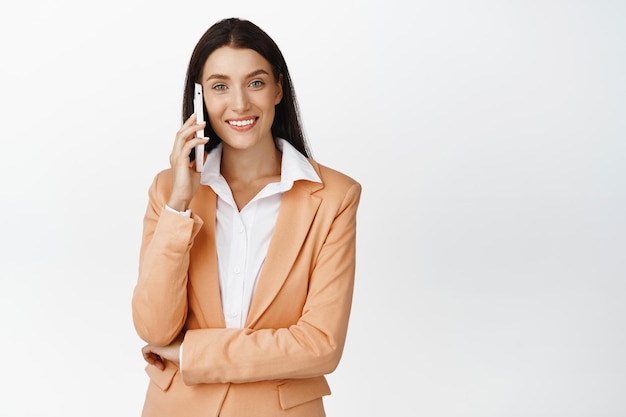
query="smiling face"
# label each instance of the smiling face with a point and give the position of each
(240, 93)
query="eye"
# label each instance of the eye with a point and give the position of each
(219, 87)
(257, 83)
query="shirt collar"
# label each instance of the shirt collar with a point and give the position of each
(294, 167)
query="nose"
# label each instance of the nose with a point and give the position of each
(240, 100)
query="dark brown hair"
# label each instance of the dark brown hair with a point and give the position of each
(239, 33)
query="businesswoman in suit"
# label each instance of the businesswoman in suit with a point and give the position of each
(247, 268)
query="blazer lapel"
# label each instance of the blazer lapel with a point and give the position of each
(203, 270)
(296, 214)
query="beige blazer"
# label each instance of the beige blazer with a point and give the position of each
(297, 324)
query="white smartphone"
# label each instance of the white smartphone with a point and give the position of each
(198, 108)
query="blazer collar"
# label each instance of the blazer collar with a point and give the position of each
(297, 211)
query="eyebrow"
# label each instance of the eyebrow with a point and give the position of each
(225, 77)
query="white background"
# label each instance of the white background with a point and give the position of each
(489, 137)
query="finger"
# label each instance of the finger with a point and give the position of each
(190, 131)
(187, 133)
(154, 359)
(181, 157)
(190, 120)
(149, 357)
(146, 351)
(189, 145)
(159, 364)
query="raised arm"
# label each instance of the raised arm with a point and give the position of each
(159, 302)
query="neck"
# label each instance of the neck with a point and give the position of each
(249, 165)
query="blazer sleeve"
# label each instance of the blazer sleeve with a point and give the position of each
(159, 302)
(311, 347)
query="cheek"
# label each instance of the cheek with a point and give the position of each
(272, 114)
(212, 106)
(216, 123)
(215, 112)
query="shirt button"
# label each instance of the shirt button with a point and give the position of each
(237, 270)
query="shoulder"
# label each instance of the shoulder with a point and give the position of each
(163, 177)
(336, 183)
(332, 177)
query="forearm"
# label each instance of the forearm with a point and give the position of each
(246, 355)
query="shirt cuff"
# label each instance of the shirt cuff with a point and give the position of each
(180, 359)
(186, 213)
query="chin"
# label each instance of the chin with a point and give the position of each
(240, 144)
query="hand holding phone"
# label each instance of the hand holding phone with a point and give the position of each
(198, 108)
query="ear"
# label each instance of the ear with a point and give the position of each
(279, 91)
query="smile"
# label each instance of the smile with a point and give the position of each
(241, 123)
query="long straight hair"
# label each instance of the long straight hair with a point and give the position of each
(239, 33)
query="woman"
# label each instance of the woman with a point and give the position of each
(247, 268)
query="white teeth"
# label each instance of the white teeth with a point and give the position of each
(241, 122)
